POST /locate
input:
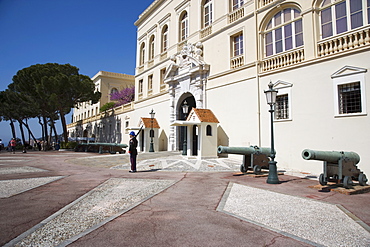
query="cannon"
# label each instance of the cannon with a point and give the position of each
(254, 157)
(99, 147)
(338, 167)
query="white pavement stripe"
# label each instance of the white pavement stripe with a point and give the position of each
(16, 186)
(315, 221)
(23, 169)
(101, 205)
(1, 160)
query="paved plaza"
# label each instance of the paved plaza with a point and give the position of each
(88, 199)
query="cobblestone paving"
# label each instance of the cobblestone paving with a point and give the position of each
(99, 206)
(16, 186)
(23, 169)
(180, 163)
(319, 223)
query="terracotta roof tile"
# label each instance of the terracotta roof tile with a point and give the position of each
(205, 115)
(148, 123)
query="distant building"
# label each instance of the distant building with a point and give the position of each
(89, 122)
(221, 55)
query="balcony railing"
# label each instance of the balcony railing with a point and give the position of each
(150, 63)
(348, 41)
(205, 32)
(163, 87)
(163, 55)
(140, 69)
(282, 60)
(140, 95)
(117, 110)
(265, 2)
(236, 15)
(180, 45)
(237, 62)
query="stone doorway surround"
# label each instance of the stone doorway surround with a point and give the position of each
(187, 73)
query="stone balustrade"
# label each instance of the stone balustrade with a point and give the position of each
(205, 32)
(265, 2)
(163, 55)
(236, 15)
(237, 62)
(281, 60)
(117, 110)
(150, 63)
(140, 69)
(342, 43)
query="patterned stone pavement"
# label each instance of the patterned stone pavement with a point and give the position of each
(309, 221)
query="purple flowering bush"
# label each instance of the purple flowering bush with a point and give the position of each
(124, 96)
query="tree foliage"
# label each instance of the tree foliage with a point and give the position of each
(107, 106)
(51, 90)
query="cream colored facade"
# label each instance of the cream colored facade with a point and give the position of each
(221, 55)
(88, 121)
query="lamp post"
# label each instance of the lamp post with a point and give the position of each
(271, 100)
(185, 109)
(152, 114)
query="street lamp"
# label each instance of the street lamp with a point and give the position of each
(185, 109)
(271, 100)
(152, 114)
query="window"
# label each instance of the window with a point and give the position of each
(284, 32)
(184, 26)
(338, 17)
(237, 4)
(368, 11)
(140, 91)
(151, 48)
(207, 13)
(126, 126)
(113, 91)
(118, 127)
(237, 43)
(162, 73)
(150, 83)
(349, 91)
(349, 96)
(282, 107)
(164, 46)
(283, 101)
(142, 54)
(209, 130)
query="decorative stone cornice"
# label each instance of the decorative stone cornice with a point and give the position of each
(148, 11)
(113, 75)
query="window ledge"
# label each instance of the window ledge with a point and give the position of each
(350, 115)
(283, 120)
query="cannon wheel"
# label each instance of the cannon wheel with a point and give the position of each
(362, 179)
(347, 182)
(322, 179)
(256, 169)
(243, 169)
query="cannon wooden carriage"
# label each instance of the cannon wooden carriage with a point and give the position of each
(339, 167)
(254, 158)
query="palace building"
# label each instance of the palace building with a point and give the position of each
(218, 57)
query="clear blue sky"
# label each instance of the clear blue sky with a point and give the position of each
(92, 35)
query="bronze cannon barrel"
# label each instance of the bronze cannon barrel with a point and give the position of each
(243, 150)
(329, 156)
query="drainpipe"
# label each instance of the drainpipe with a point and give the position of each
(257, 74)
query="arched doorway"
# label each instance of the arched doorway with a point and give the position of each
(181, 130)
